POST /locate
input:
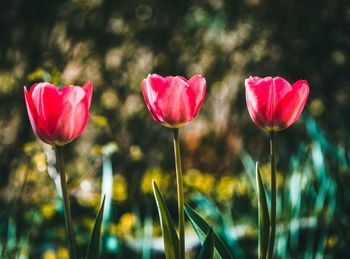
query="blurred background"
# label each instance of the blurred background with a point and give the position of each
(115, 44)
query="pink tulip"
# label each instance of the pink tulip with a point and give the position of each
(58, 116)
(273, 103)
(173, 100)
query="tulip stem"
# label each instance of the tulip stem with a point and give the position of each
(273, 195)
(180, 195)
(67, 212)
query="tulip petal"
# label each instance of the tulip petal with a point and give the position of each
(156, 83)
(262, 96)
(273, 103)
(88, 88)
(198, 85)
(291, 106)
(34, 119)
(72, 118)
(176, 102)
(61, 114)
(150, 95)
(46, 100)
(173, 101)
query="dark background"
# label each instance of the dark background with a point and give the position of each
(116, 44)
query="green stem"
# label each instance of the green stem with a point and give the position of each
(273, 195)
(180, 194)
(67, 212)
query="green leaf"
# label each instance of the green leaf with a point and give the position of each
(207, 251)
(93, 251)
(264, 219)
(201, 227)
(171, 240)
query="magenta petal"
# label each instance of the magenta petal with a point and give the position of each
(292, 105)
(58, 116)
(157, 82)
(176, 102)
(46, 99)
(148, 94)
(256, 98)
(198, 85)
(265, 95)
(273, 103)
(72, 115)
(88, 88)
(173, 101)
(34, 119)
(72, 121)
(281, 88)
(42, 94)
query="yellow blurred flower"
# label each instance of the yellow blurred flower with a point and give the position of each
(127, 221)
(162, 179)
(331, 241)
(120, 188)
(157, 230)
(125, 226)
(113, 229)
(49, 254)
(100, 121)
(48, 210)
(30, 147)
(96, 150)
(225, 188)
(242, 186)
(229, 186)
(62, 253)
(203, 182)
(136, 153)
(265, 171)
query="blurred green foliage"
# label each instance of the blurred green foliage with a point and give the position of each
(115, 44)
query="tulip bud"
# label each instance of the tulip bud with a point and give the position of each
(58, 116)
(173, 100)
(273, 103)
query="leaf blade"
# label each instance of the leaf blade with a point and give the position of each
(264, 219)
(94, 243)
(207, 251)
(201, 227)
(170, 237)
